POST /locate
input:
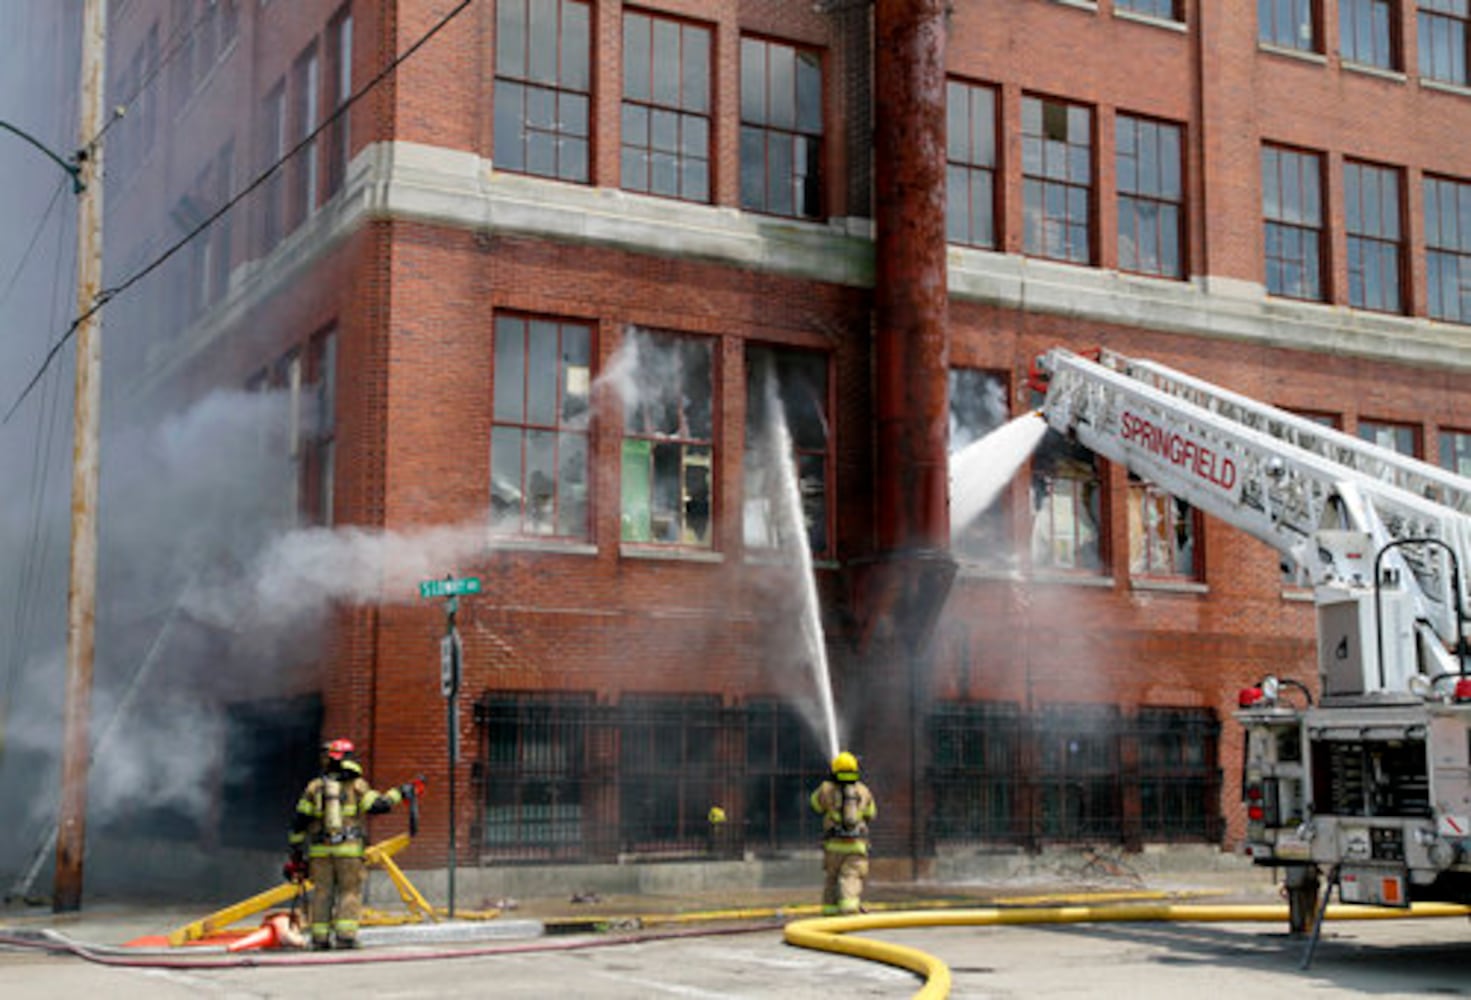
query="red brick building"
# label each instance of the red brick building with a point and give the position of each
(534, 279)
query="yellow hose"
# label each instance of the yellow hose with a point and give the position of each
(829, 933)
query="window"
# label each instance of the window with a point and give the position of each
(1368, 32)
(781, 129)
(1163, 534)
(1443, 29)
(666, 107)
(970, 168)
(322, 453)
(339, 66)
(534, 758)
(307, 84)
(786, 422)
(1371, 205)
(1151, 196)
(1455, 451)
(668, 443)
(272, 149)
(667, 771)
(1165, 10)
(539, 441)
(780, 778)
(287, 375)
(1067, 508)
(1292, 206)
(1401, 438)
(1448, 249)
(975, 771)
(1057, 179)
(542, 88)
(1179, 773)
(1078, 772)
(181, 79)
(1292, 24)
(979, 405)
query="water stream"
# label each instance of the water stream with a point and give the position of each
(792, 532)
(980, 470)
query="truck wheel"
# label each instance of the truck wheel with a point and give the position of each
(1302, 898)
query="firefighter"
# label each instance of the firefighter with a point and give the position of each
(846, 806)
(329, 829)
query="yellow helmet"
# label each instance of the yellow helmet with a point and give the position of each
(845, 767)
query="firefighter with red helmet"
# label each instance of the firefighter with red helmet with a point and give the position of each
(328, 837)
(846, 806)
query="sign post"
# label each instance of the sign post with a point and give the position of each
(451, 655)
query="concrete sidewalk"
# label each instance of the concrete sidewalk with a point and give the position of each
(693, 896)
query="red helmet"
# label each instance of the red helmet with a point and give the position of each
(338, 750)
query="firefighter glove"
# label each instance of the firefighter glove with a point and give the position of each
(412, 789)
(295, 870)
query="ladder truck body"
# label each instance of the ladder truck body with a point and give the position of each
(1369, 783)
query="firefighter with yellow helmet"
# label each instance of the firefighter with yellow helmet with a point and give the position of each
(846, 806)
(327, 839)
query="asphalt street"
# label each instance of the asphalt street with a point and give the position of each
(1379, 959)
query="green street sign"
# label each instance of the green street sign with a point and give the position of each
(449, 588)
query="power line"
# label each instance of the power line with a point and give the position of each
(107, 294)
(26, 255)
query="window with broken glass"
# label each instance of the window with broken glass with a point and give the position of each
(781, 129)
(978, 405)
(788, 455)
(668, 443)
(1067, 508)
(666, 107)
(543, 85)
(1057, 180)
(539, 440)
(1163, 533)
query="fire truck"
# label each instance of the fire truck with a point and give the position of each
(1362, 780)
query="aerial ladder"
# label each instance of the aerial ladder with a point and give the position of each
(1366, 787)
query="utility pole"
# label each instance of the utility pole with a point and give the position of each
(82, 589)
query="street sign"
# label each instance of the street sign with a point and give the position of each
(450, 655)
(449, 588)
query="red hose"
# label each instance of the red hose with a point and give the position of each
(58, 944)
